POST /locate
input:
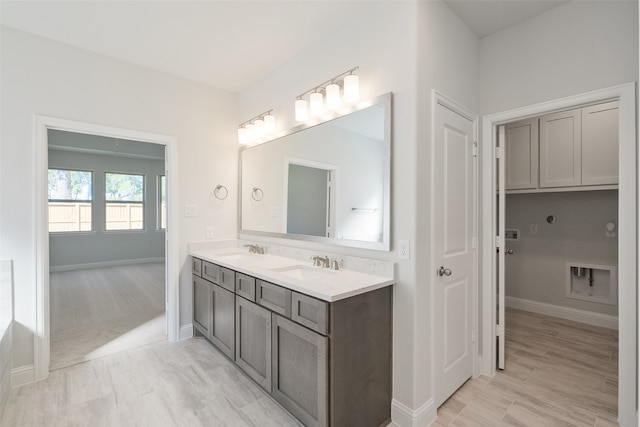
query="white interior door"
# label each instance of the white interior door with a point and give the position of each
(453, 233)
(500, 246)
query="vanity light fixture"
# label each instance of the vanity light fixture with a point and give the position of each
(261, 126)
(331, 90)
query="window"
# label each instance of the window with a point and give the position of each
(124, 197)
(162, 202)
(70, 194)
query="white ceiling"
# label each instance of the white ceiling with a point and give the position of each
(223, 43)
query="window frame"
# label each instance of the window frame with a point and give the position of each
(91, 201)
(142, 203)
(159, 208)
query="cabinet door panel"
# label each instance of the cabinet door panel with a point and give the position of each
(521, 155)
(202, 305)
(274, 297)
(227, 279)
(310, 312)
(223, 320)
(210, 271)
(253, 341)
(196, 266)
(560, 149)
(246, 286)
(600, 144)
(300, 371)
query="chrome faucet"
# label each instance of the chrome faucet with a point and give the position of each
(255, 249)
(319, 261)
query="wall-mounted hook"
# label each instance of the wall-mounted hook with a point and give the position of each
(257, 194)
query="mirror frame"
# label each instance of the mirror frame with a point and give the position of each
(384, 245)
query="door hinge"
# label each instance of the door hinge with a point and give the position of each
(499, 331)
(474, 150)
(473, 243)
(499, 152)
(474, 336)
(499, 242)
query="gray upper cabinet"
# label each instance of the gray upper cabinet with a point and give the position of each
(253, 341)
(560, 149)
(521, 155)
(300, 371)
(600, 144)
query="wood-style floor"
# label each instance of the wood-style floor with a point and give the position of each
(558, 373)
(101, 311)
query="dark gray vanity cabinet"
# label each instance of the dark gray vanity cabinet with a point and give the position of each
(202, 306)
(300, 371)
(253, 341)
(214, 304)
(328, 363)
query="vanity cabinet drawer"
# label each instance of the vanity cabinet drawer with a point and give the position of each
(227, 279)
(310, 312)
(246, 286)
(196, 266)
(210, 271)
(274, 297)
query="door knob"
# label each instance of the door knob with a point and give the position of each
(444, 271)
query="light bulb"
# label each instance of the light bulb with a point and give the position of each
(302, 114)
(316, 106)
(351, 88)
(333, 96)
(251, 132)
(260, 130)
(269, 124)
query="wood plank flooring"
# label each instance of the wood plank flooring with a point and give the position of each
(101, 311)
(558, 373)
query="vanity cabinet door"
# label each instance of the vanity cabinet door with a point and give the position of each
(300, 373)
(246, 286)
(210, 271)
(274, 297)
(253, 341)
(202, 305)
(223, 320)
(227, 279)
(310, 312)
(196, 266)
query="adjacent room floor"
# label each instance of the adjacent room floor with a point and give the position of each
(96, 312)
(558, 373)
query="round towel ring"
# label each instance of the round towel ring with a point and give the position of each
(257, 194)
(220, 189)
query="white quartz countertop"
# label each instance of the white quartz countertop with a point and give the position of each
(323, 283)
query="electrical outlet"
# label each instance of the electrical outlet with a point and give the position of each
(209, 232)
(404, 249)
(190, 210)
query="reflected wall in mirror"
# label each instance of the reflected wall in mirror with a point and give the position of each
(327, 183)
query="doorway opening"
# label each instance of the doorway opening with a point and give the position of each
(106, 223)
(43, 125)
(627, 237)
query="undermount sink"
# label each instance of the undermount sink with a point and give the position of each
(304, 272)
(237, 255)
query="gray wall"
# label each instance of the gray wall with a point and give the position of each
(100, 247)
(536, 270)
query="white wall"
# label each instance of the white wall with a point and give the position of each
(404, 48)
(40, 76)
(536, 270)
(575, 48)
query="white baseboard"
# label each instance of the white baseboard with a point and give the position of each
(186, 332)
(59, 268)
(582, 316)
(23, 375)
(403, 416)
